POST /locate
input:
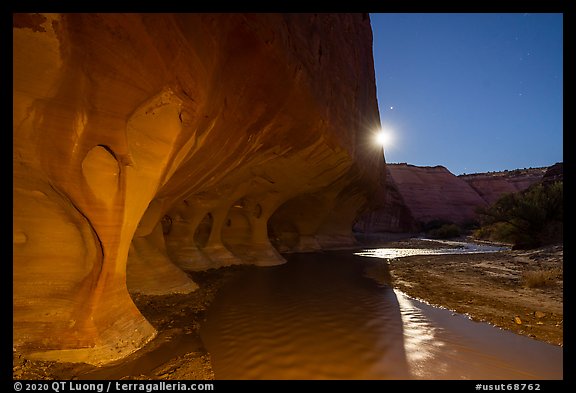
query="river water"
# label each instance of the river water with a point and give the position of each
(319, 317)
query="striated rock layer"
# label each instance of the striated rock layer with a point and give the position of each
(145, 144)
(433, 193)
(416, 195)
(492, 185)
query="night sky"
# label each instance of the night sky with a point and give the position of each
(472, 92)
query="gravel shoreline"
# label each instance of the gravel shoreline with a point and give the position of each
(520, 291)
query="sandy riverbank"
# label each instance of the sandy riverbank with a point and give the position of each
(521, 291)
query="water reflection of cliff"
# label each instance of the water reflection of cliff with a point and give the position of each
(318, 317)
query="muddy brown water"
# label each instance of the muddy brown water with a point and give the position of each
(319, 317)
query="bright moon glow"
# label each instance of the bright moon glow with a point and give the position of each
(384, 138)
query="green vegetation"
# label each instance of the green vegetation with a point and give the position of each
(442, 229)
(445, 232)
(527, 219)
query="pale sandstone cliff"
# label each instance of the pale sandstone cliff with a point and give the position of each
(492, 185)
(417, 195)
(434, 193)
(145, 144)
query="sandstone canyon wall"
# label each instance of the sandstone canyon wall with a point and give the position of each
(554, 173)
(432, 193)
(394, 216)
(492, 185)
(147, 144)
(416, 195)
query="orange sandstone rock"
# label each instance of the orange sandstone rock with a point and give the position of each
(149, 143)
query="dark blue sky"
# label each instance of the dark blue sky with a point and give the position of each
(472, 92)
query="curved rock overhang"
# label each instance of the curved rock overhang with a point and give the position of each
(149, 144)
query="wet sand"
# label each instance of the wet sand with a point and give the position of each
(487, 287)
(494, 287)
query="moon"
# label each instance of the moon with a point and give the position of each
(384, 138)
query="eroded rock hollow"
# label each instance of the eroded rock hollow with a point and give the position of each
(146, 145)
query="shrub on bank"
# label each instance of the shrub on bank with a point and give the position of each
(441, 229)
(526, 219)
(498, 232)
(434, 224)
(541, 278)
(446, 231)
(469, 225)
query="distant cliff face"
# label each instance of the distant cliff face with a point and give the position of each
(554, 173)
(432, 193)
(145, 144)
(416, 195)
(492, 185)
